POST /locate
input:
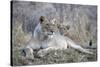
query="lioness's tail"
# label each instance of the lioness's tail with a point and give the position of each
(75, 46)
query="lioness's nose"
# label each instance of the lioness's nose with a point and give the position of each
(51, 31)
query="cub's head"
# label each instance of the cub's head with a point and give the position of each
(63, 29)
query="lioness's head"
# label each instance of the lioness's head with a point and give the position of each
(48, 27)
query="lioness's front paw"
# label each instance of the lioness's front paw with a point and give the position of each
(41, 53)
(29, 53)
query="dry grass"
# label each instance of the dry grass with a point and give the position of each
(54, 57)
(20, 37)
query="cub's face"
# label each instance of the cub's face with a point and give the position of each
(63, 29)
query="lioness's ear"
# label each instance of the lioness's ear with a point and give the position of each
(42, 18)
(53, 21)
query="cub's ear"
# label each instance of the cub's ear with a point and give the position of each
(42, 18)
(68, 27)
(58, 26)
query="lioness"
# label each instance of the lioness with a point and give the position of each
(47, 37)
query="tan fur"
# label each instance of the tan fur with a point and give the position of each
(54, 40)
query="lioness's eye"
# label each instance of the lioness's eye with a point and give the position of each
(58, 26)
(47, 24)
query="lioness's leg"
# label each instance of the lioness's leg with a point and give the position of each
(29, 53)
(44, 52)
